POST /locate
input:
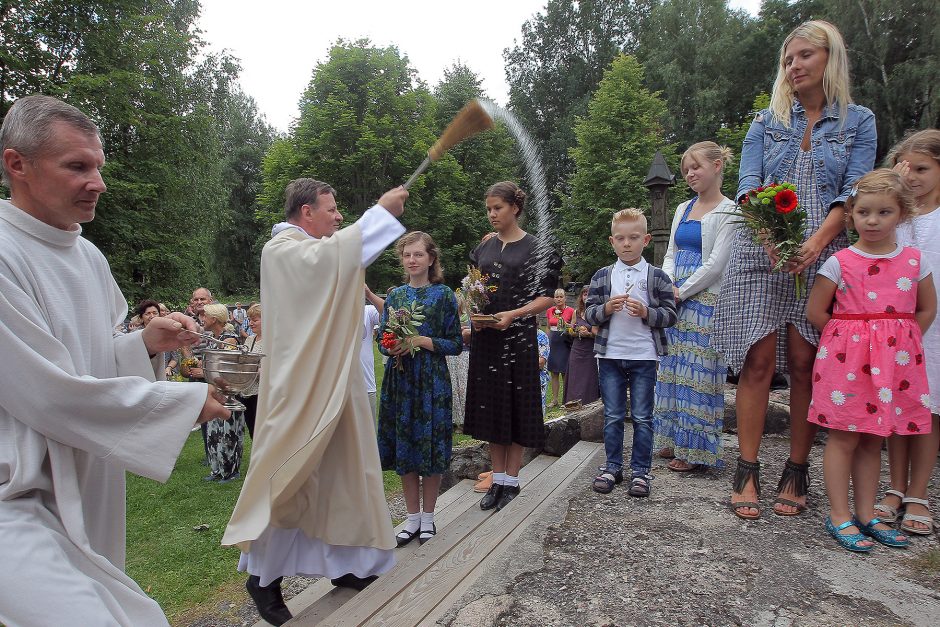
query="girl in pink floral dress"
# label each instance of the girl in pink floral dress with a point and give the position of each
(869, 379)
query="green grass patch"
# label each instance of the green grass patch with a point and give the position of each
(928, 565)
(177, 565)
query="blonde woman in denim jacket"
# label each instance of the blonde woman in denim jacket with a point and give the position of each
(815, 137)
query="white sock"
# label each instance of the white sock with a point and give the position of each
(413, 523)
(427, 521)
(510, 480)
(499, 478)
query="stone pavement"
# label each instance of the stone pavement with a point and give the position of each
(682, 558)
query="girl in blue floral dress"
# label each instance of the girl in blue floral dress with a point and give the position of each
(415, 428)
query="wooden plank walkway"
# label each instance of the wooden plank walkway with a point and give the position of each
(429, 579)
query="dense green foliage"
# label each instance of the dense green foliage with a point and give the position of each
(196, 177)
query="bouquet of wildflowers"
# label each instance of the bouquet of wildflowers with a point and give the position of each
(476, 290)
(774, 217)
(402, 323)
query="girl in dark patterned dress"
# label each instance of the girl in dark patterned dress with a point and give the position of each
(415, 429)
(504, 404)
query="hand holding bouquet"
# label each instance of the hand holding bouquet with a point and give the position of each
(475, 290)
(775, 219)
(402, 324)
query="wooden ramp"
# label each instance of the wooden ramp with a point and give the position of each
(428, 580)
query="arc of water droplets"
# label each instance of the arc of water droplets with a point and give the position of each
(537, 192)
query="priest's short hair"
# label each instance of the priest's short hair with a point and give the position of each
(302, 192)
(28, 127)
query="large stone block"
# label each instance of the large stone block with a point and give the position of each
(777, 420)
(561, 434)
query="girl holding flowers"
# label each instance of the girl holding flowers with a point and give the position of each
(869, 375)
(415, 429)
(815, 138)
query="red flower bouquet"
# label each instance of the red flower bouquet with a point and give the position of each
(775, 219)
(402, 323)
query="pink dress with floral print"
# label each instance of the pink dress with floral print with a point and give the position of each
(869, 374)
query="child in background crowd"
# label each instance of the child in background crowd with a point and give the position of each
(631, 302)
(869, 379)
(911, 459)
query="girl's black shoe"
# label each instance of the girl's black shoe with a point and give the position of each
(492, 497)
(509, 493)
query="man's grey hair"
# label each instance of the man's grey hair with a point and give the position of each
(302, 192)
(29, 126)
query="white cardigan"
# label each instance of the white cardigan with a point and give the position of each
(718, 226)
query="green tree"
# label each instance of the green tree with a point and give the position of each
(558, 64)
(693, 53)
(895, 64)
(616, 142)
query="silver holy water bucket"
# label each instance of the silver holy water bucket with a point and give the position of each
(231, 371)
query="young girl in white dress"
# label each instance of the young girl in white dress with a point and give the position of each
(912, 459)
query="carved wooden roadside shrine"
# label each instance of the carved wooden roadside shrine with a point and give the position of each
(658, 181)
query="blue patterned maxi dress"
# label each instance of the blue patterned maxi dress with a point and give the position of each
(689, 410)
(415, 430)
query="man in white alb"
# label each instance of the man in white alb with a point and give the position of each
(78, 406)
(313, 501)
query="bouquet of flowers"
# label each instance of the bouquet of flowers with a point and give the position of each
(475, 290)
(402, 323)
(774, 217)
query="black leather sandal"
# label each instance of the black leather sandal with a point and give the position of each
(745, 472)
(795, 477)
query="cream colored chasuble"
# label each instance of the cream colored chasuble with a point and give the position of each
(314, 463)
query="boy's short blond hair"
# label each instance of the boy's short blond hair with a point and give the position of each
(630, 214)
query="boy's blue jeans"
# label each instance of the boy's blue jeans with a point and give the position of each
(615, 376)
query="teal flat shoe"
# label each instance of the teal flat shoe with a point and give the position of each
(848, 541)
(887, 537)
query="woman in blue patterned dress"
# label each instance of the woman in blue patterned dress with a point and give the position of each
(812, 135)
(690, 402)
(415, 430)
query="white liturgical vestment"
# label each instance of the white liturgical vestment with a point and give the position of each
(78, 408)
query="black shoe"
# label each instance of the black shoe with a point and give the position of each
(492, 496)
(231, 477)
(404, 536)
(268, 600)
(430, 533)
(509, 493)
(349, 580)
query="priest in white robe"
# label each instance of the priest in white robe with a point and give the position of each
(78, 406)
(313, 501)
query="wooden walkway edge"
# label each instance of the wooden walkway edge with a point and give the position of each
(429, 579)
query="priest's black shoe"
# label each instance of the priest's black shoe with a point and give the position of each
(509, 493)
(349, 580)
(491, 499)
(268, 600)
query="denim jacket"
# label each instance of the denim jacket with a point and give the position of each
(843, 150)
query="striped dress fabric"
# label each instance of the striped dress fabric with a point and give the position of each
(755, 302)
(689, 411)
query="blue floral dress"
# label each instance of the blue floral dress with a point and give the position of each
(690, 404)
(415, 430)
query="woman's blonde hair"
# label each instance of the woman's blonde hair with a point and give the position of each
(707, 151)
(254, 311)
(435, 273)
(926, 142)
(559, 292)
(216, 311)
(836, 85)
(882, 181)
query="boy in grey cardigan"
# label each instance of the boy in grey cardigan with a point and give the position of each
(631, 302)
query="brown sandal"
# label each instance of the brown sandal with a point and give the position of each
(796, 478)
(746, 471)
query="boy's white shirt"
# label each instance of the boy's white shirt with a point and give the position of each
(628, 337)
